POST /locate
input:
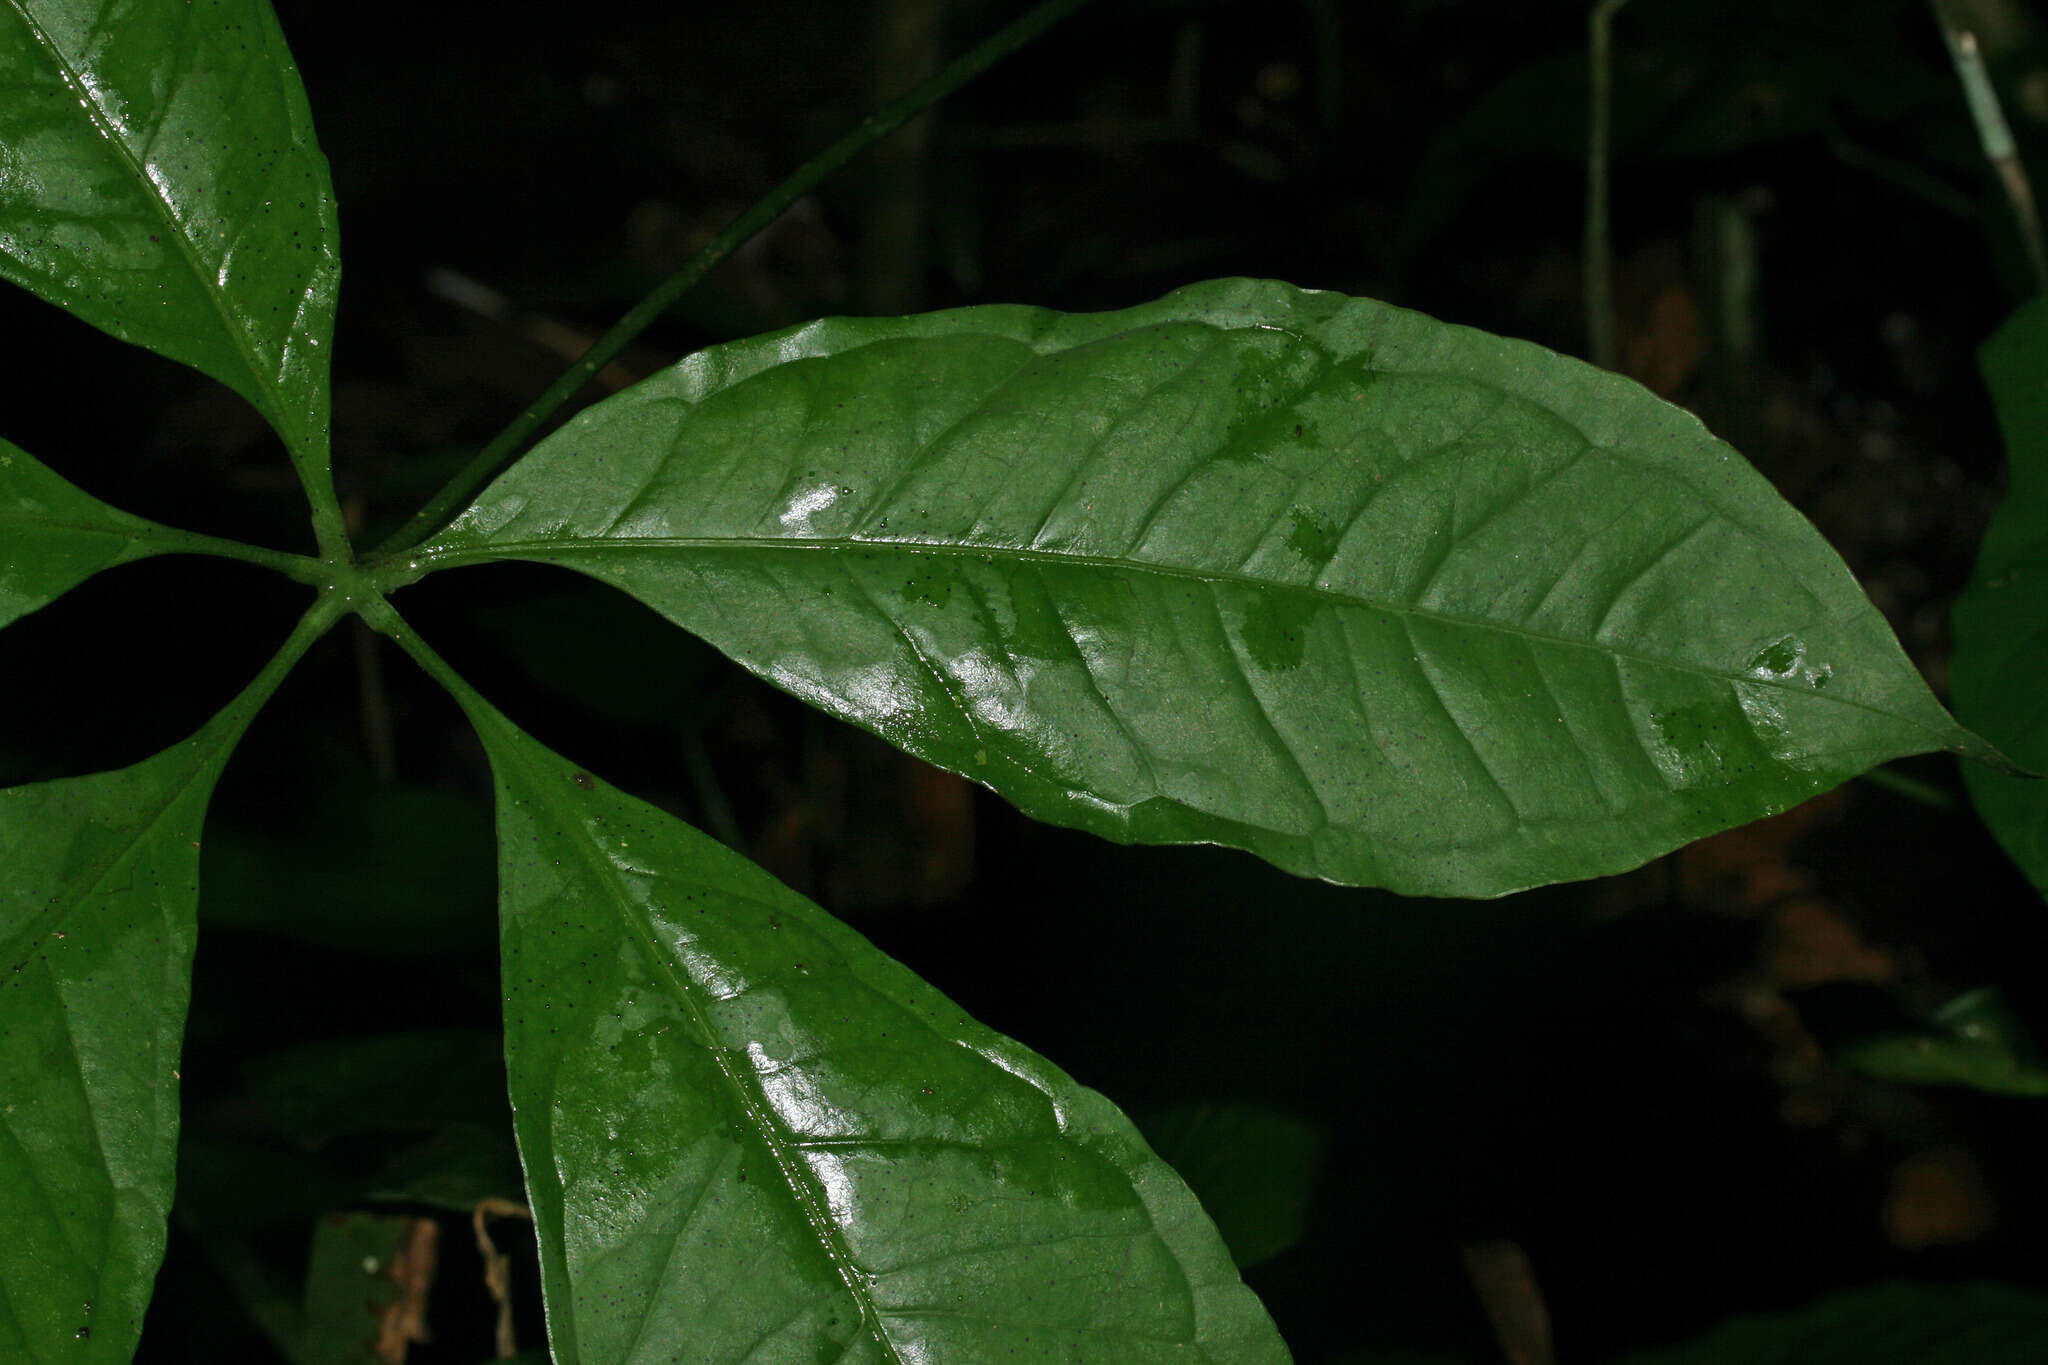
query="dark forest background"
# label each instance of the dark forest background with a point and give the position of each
(1627, 1081)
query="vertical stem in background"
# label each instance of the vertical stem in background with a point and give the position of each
(893, 256)
(376, 706)
(1326, 19)
(1890, 779)
(1599, 264)
(1996, 137)
(718, 815)
(1506, 1282)
(1184, 77)
(764, 211)
(1725, 243)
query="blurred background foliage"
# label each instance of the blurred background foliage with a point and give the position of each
(1630, 1107)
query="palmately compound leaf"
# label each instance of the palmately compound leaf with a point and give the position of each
(750, 1136)
(54, 536)
(2001, 653)
(99, 882)
(159, 179)
(1382, 600)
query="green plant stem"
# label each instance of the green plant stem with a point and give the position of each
(1599, 263)
(724, 825)
(1996, 138)
(316, 478)
(316, 622)
(1887, 778)
(764, 211)
(1902, 175)
(269, 1304)
(330, 529)
(387, 622)
(299, 568)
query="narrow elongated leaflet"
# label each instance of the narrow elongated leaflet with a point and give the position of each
(54, 536)
(2001, 653)
(159, 178)
(99, 883)
(748, 1135)
(96, 933)
(1382, 600)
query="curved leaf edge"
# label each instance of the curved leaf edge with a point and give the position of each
(1085, 1114)
(1608, 408)
(291, 394)
(2001, 617)
(54, 536)
(46, 938)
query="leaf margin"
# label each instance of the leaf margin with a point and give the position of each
(1250, 1333)
(1610, 411)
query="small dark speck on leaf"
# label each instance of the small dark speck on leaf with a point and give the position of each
(582, 779)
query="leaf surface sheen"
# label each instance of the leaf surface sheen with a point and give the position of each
(1382, 600)
(99, 882)
(1977, 1039)
(54, 535)
(749, 1134)
(159, 178)
(2001, 623)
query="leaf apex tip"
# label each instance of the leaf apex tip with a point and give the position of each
(1974, 748)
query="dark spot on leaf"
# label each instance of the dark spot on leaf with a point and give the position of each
(1275, 630)
(1316, 541)
(582, 779)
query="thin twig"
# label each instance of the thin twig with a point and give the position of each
(893, 251)
(1506, 1282)
(1890, 779)
(725, 826)
(1599, 264)
(498, 1267)
(765, 210)
(1996, 137)
(376, 706)
(1903, 175)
